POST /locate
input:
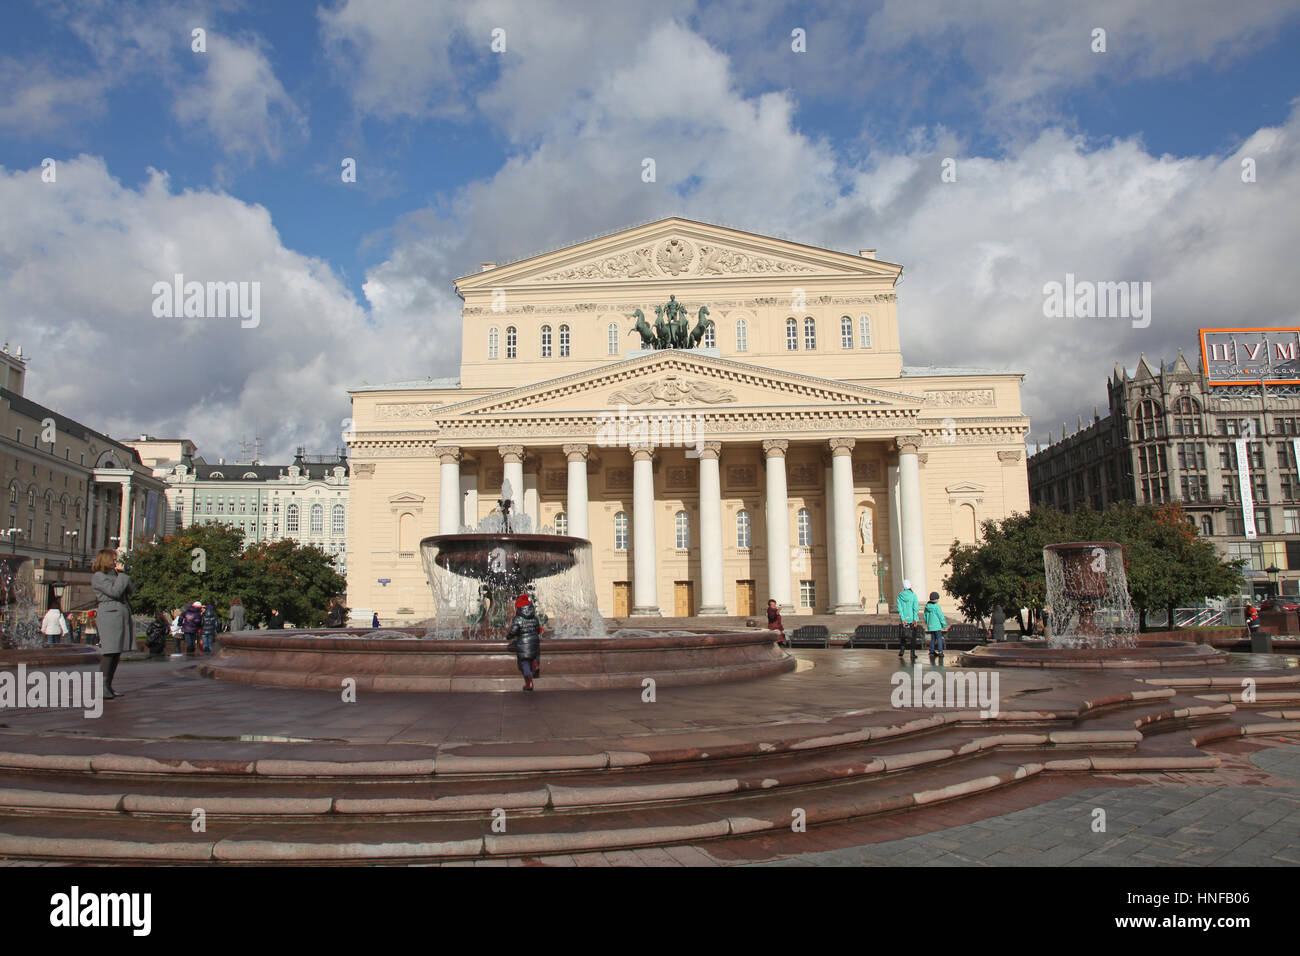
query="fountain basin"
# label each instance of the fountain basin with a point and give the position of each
(1142, 654)
(310, 658)
(53, 655)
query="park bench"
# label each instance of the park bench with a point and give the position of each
(811, 635)
(870, 635)
(966, 634)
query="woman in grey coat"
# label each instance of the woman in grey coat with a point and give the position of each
(237, 617)
(112, 587)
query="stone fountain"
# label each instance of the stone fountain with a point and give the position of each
(1092, 619)
(21, 640)
(475, 576)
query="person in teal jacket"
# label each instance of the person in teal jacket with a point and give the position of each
(907, 613)
(935, 623)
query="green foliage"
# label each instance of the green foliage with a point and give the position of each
(1167, 563)
(298, 579)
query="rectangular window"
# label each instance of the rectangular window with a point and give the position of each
(1259, 487)
(742, 336)
(1236, 525)
(807, 594)
(1263, 521)
(1286, 455)
(1290, 487)
(1191, 457)
(864, 331)
(1290, 521)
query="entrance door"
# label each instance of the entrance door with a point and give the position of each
(744, 598)
(622, 598)
(684, 598)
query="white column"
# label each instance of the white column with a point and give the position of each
(448, 489)
(778, 524)
(913, 530)
(645, 574)
(89, 529)
(124, 518)
(895, 583)
(713, 601)
(532, 500)
(576, 506)
(846, 528)
(829, 484)
(513, 458)
(469, 497)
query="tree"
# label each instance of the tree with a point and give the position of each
(200, 563)
(298, 579)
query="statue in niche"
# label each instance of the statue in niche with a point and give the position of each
(868, 534)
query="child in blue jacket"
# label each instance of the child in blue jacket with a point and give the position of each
(935, 623)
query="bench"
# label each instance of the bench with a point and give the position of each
(869, 635)
(966, 634)
(810, 635)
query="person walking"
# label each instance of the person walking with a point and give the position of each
(74, 622)
(176, 632)
(238, 618)
(192, 626)
(54, 625)
(374, 619)
(774, 622)
(112, 587)
(156, 637)
(935, 623)
(208, 624)
(908, 613)
(337, 615)
(526, 635)
(277, 620)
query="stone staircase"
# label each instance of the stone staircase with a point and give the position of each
(100, 800)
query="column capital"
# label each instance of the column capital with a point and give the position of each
(775, 448)
(642, 451)
(842, 446)
(511, 454)
(711, 449)
(576, 452)
(448, 454)
(908, 444)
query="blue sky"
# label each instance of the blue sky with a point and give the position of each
(1119, 165)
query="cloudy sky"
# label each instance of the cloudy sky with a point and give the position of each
(1172, 157)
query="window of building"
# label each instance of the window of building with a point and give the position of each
(1187, 416)
(743, 529)
(1290, 521)
(1191, 457)
(791, 335)
(682, 525)
(1151, 460)
(1259, 487)
(1195, 487)
(611, 338)
(564, 341)
(336, 525)
(1207, 525)
(512, 342)
(1155, 491)
(710, 338)
(493, 338)
(803, 524)
(864, 331)
(620, 531)
(1290, 487)
(317, 519)
(546, 341)
(846, 332)
(1149, 420)
(742, 335)
(291, 519)
(221, 506)
(561, 523)
(1263, 521)
(810, 333)
(807, 594)
(275, 507)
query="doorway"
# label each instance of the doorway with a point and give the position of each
(745, 598)
(622, 598)
(684, 598)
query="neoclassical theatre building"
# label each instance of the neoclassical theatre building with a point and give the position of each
(786, 452)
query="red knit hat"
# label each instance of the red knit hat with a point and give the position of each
(523, 600)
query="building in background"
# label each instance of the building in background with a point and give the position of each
(71, 490)
(306, 500)
(1224, 447)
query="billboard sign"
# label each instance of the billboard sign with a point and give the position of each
(1251, 356)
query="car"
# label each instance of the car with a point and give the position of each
(1283, 603)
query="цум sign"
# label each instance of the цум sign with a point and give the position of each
(1251, 356)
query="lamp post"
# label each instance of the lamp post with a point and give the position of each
(882, 568)
(1272, 571)
(13, 534)
(72, 544)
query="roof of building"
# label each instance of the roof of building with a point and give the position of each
(917, 371)
(412, 385)
(68, 426)
(230, 471)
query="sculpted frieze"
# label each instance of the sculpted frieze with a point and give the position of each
(406, 411)
(678, 256)
(672, 390)
(960, 397)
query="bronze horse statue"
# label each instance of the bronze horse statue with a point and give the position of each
(702, 323)
(643, 327)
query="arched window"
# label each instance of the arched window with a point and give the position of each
(682, 525)
(290, 518)
(31, 497)
(564, 341)
(13, 494)
(864, 331)
(49, 502)
(611, 338)
(966, 524)
(561, 523)
(620, 531)
(803, 522)
(791, 335)
(546, 341)
(512, 342)
(710, 339)
(1207, 525)
(742, 335)
(1150, 420)
(1187, 416)
(317, 519)
(846, 332)
(336, 526)
(743, 529)
(810, 333)
(493, 340)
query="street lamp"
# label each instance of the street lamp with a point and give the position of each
(882, 568)
(13, 534)
(1272, 571)
(72, 544)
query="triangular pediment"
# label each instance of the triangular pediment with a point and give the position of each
(965, 488)
(676, 250)
(406, 498)
(679, 379)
